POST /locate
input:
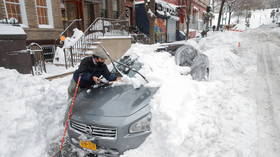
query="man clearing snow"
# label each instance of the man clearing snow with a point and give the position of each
(90, 70)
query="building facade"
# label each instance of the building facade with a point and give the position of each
(171, 19)
(89, 10)
(40, 19)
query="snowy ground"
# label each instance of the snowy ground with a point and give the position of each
(234, 114)
(258, 18)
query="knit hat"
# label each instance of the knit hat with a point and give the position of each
(100, 54)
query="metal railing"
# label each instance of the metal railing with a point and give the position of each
(37, 58)
(66, 31)
(88, 42)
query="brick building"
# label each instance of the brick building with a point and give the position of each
(198, 10)
(40, 19)
(89, 10)
(171, 19)
(44, 20)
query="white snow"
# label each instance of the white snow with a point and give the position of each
(75, 37)
(114, 37)
(258, 18)
(190, 118)
(197, 119)
(6, 29)
(59, 57)
(31, 113)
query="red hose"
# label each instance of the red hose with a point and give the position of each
(69, 114)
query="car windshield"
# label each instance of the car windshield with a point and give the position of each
(128, 66)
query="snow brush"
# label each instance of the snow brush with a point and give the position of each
(68, 118)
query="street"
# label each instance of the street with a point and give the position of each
(268, 94)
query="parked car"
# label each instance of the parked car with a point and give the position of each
(109, 120)
(187, 55)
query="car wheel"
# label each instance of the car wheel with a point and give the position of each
(185, 55)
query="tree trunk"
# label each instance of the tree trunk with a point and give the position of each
(220, 14)
(229, 18)
(150, 10)
(189, 7)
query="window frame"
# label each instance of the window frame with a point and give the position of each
(104, 9)
(22, 12)
(116, 13)
(49, 13)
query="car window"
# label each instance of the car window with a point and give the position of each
(132, 63)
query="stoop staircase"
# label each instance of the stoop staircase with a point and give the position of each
(89, 41)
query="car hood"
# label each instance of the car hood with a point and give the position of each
(117, 101)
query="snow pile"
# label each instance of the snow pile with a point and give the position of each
(200, 119)
(59, 57)
(31, 113)
(10, 20)
(258, 18)
(190, 118)
(6, 29)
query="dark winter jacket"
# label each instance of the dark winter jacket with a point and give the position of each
(88, 69)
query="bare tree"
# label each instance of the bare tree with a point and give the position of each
(220, 14)
(231, 6)
(150, 7)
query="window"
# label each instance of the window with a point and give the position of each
(13, 9)
(103, 8)
(115, 9)
(44, 13)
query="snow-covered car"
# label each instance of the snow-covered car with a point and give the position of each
(187, 55)
(109, 120)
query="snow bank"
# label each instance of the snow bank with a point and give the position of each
(31, 113)
(200, 119)
(258, 18)
(190, 118)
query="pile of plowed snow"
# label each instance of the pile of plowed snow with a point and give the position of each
(201, 119)
(31, 113)
(190, 118)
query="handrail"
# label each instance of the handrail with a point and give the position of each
(79, 48)
(73, 21)
(100, 18)
(66, 29)
(94, 22)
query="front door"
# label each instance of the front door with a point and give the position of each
(89, 13)
(171, 30)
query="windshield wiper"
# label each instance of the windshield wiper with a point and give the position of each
(130, 68)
